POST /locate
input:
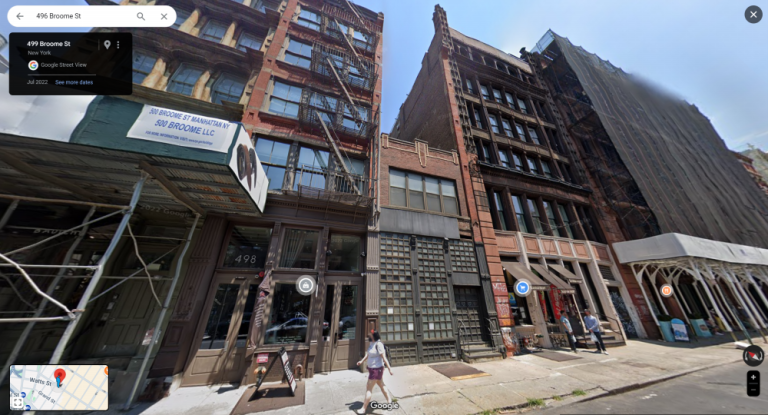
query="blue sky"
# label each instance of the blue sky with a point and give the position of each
(701, 50)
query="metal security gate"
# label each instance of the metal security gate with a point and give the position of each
(470, 315)
(623, 313)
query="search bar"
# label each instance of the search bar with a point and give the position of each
(92, 16)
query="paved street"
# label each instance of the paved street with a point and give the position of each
(721, 390)
(513, 382)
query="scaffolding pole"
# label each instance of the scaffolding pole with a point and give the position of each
(70, 330)
(41, 308)
(166, 304)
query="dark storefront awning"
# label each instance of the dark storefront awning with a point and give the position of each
(571, 277)
(553, 279)
(520, 272)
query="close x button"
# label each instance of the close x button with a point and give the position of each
(753, 383)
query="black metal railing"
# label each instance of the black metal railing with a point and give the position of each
(332, 181)
(357, 73)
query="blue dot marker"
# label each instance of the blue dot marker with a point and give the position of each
(522, 288)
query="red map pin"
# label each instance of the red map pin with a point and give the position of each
(60, 373)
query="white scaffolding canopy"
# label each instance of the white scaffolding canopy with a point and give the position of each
(675, 245)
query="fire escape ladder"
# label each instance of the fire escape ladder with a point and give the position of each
(331, 140)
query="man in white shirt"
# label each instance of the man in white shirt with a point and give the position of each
(594, 327)
(569, 331)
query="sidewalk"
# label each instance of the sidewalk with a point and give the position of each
(513, 382)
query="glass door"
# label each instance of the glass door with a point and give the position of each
(341, 338)
(224, 332)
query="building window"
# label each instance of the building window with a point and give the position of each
(519, 213)
(249, 41)
(486, 152)
(361, 40)
(285, 100)
(345, 253)
(520, 132)
(462, 256)
(534, 136)
(214, 31)
(535, 216)
(299, 54)
(551, 218)
(408, 190)
(494, 123)
(227, 88)
(309, 19)
(478, 120)
(289, 316)
(299, 249)
(311, 168)
(142, 66)
(470, 88)
(181, 17)
(499, 205)
(518, 159)
(532, 167)
(349, 122)
(504, 159)
(485, 93)
(507, 127)
(510, 99)
(273, 156)
(521, 104)
(263, 5)
(248, 247)
(566, 222)
(545, 169)
(183, 81)
(497, 96)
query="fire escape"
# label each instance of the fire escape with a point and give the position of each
(350, 70)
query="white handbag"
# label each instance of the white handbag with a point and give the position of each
(593, 337)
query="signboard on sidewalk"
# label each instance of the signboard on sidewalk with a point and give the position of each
(287, 369)
(678, 328)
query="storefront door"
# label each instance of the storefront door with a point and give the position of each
(223, 335)
(341, 320)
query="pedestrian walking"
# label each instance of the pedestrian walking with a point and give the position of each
(569, 331)
(377, 358)
(594, 327)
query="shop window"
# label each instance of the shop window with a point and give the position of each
(214, 31)
(309, 19)
(519, 214)
(518, 307)
(289, 316)
(299, 249)
(274, 157)
(345, 253)
(249, 41)
(183, 81)
(142, 66)
(248, 247)
(227, 88)
(299, 54)
(181, 17)
(285, 100)
(312, 168)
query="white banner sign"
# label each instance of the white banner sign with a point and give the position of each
(183, 129)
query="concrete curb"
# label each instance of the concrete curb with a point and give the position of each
(616, 391)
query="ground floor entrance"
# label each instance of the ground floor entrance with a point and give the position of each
(470, 315)
(223, 333)
(340, 345)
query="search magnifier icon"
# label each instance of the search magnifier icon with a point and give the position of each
(140, 15)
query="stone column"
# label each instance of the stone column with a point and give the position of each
(191, 22)
(158, 71)
(199, 89)
(229, 35)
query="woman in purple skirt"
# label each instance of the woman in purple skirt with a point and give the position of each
(377, 359)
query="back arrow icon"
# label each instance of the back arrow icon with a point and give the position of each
(19, 16)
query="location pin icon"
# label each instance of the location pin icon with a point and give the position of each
(107, 44)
